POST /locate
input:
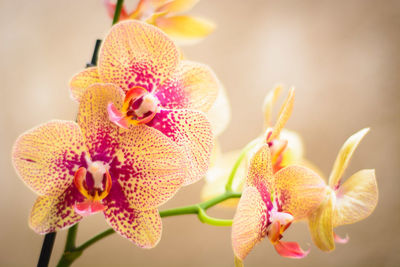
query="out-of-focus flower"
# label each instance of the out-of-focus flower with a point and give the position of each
(82, 168)
(161, 91)
(285, 146)
(347, 202)
(271, 202)
(164, 14)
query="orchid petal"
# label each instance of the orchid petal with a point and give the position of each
(88, 207)
(141, 227)
(320, 224)
(283, 116)
(344, 156)
(249, 222)
(185, 29)
(137, 54)
(152, 167)
(176, 6)
(300, 190)
(219, 114)
(341, 240)
(46, 157)
(269, 102)
(116, 116)
(356, 198)
(192, 86)
(260, 170)
(192, 132)
(101, 135)
(290, 250)
(83, 80)
(294, 151)
(54, 213)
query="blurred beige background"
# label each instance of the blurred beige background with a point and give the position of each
(342, 56)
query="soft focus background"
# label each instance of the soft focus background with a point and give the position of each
(342, 56)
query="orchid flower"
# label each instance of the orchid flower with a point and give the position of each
(285, 146)
(78, 169)
(271, 201)
(161, 91)
(164, 14)
(347, 202)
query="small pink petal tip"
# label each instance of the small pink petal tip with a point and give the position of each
(88, 207)
(116, 116)
(290, 250)
(341, 240)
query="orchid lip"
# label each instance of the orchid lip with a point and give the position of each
(93, 194)
(139, 107)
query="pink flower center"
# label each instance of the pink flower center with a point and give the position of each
(140, 106)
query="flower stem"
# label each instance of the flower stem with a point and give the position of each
(243, 153)
(71, 252)
(117, 12)
(47, 248)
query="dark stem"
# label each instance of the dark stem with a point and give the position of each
(47, 248)
(93, 62)
(117, 12)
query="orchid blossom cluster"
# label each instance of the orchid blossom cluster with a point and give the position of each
(147, 124)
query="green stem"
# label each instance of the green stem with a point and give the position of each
(117, 12)
(71, 237)
(243, 153)
(204, 218)
(71, 252)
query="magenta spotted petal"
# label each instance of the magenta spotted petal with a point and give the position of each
(192, 132)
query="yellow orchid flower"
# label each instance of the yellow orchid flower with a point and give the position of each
(347, 202)
(271, 202)
(285, 146)
(165, 14)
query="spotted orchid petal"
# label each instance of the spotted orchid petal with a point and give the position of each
(249, 222)
(260, 170)
(290, 250)
(47, 156)
(356, 198)
(185, 29)
(135, 53)
(141, 227)
(191, 86)
(344, 156)
(176, 6)
(51, 213)
(300, 190)
(191, 131)
(219, 114)
(320, 224)
(149, 166)
(269, 102)
(283, 116)
(101, 135)
(83, 80)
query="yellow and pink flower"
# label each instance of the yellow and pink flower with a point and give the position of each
(165, 14)
(78, 169)
(271, 201)
(346, 202)
(161, 91)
